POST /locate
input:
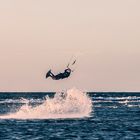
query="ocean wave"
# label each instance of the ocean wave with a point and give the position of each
(21, 100)
(117, 98)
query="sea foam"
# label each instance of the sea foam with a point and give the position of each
(70, 104)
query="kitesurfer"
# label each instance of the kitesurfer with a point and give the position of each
(59, 76)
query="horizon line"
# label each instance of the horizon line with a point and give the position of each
(62, 91)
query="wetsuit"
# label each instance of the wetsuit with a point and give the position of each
(63, 75)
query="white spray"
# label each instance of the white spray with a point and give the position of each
(72, 104)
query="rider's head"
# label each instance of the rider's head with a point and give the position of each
(68, 70)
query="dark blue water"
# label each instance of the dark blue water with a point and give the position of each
(114, 116)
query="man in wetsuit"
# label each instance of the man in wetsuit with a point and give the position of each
(59, 76)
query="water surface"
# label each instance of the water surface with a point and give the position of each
(112, 116)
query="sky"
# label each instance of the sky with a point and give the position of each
(38, 35)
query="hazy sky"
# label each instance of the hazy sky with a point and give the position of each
(36, 35)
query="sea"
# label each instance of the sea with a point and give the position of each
(70, 115)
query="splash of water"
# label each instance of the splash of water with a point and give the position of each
(70, 104)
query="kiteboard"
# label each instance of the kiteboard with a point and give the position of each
(48, 73)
